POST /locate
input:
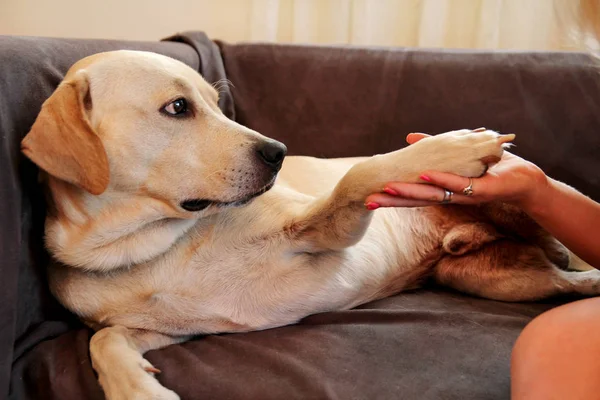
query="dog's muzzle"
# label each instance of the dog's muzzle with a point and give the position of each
(196, 205)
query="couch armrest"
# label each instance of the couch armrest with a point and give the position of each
(30, 70)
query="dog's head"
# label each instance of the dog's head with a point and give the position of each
(146, 124)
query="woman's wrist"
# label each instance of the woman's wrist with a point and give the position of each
(539, 200)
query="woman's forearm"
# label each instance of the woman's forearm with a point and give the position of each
(569, 216)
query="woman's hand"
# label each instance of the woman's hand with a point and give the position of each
(569, 216)
(512, 180)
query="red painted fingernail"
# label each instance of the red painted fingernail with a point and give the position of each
(390, 191)
(152, 369)
(425, 178)
(372, 206)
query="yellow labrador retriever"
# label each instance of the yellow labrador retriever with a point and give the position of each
(168, 220)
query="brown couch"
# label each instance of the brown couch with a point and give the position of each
(326, 102)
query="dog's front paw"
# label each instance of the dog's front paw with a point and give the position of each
(133, 380)
(466, 152)
(153, 394)
(142, 391)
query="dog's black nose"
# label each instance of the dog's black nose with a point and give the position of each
(272, 153)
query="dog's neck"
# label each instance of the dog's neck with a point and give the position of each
(110, 231)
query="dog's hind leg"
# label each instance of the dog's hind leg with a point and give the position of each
(123, 373)
(509, 270)
(467, 237)
(514, 221)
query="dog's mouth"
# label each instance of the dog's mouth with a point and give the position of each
(195, 205)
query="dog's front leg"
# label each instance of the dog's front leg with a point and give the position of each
(122, 371)
(340, 219)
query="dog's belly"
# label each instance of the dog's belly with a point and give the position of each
(206, 285)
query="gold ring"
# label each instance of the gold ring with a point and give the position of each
(468, 191)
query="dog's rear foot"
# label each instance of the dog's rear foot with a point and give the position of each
(586, 283)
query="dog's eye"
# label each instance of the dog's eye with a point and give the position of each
(177, 107)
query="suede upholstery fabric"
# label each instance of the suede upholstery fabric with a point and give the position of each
(340, 102)
(326, 102)
(427, 344)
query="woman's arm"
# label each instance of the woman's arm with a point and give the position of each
(568, 215)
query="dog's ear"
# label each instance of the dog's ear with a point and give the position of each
(62, 141)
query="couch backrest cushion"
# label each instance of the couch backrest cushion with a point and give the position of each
(337, 101)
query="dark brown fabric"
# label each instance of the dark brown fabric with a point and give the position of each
(211, 65)
(428, 344)
(421, 345)
(30, 70)
(334, 102)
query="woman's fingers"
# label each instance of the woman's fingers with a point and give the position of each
(415, 191)
(455, 183)
(377, 200)
(400, 194)
(413, 138)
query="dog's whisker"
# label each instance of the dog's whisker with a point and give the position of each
(222, 84)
